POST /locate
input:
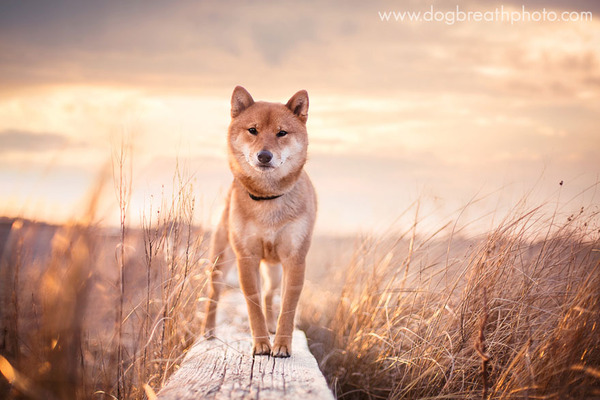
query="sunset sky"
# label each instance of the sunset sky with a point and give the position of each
(399, 111)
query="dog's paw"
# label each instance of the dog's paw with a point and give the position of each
(208, 331)
(209, 335)
(281, 350)
(261, 348)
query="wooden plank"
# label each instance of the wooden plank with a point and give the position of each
(223, 368)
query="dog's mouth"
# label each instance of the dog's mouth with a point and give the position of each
(261, 167)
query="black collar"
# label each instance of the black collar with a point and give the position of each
(256, 198)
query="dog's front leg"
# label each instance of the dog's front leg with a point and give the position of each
(293, 280)
(248, 270)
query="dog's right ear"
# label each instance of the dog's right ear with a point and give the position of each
(240, 100)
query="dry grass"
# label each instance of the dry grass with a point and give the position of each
(90, 312)
(514, 314)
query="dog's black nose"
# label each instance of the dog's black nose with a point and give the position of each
(264, 156)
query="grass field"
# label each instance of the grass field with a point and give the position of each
(510, 314)
(91, 312)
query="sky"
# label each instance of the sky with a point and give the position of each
(439, 113)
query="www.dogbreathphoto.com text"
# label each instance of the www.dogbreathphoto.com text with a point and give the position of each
(498, 14)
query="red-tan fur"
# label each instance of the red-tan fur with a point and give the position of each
(269, 233)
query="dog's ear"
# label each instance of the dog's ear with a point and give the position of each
(240, 100)
(299, 105)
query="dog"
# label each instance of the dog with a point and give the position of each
(269, 216)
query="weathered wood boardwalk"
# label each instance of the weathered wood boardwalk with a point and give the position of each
(223, 368)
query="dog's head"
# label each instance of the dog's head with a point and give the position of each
(267, 140)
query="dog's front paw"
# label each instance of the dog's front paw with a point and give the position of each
(208, 331)
(281, 350)
(209, 335)
(261, 347)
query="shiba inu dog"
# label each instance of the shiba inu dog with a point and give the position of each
(269, 215)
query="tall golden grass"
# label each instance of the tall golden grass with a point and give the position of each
(511, 314)
(91, 312)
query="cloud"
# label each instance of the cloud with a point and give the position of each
(275, 46)
(391, 103)
(337, 49)
(23, 141)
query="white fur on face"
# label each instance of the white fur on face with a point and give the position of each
(277, 161)
(294, 148)
(247, 151)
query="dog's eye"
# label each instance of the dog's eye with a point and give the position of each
(253, 131)
(281, 133)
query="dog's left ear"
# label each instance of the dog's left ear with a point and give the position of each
(299, 105)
